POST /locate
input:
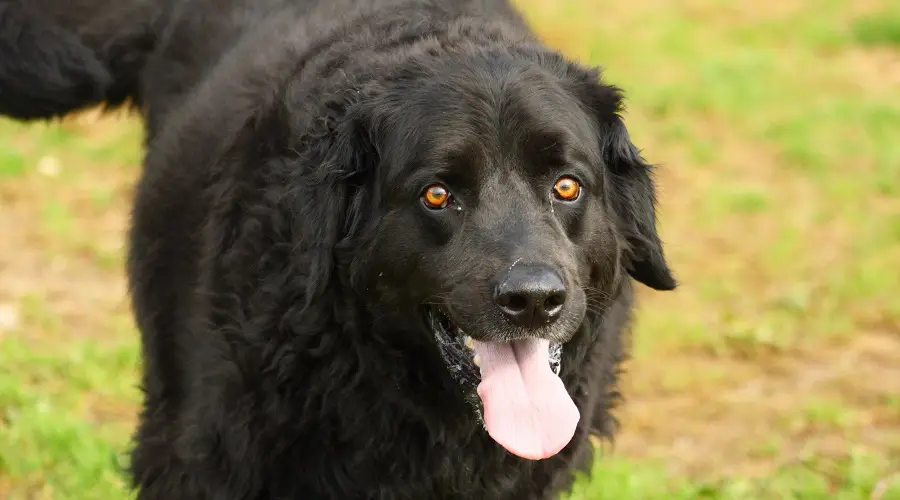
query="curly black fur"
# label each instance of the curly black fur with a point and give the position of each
(278, 258)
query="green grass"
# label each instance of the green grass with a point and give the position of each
(54, 438)
(882, 28)
(853, 477)
(773, 373)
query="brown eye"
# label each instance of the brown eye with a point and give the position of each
(567, 188)
(436, 196)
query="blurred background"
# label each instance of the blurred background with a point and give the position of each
(772, 373)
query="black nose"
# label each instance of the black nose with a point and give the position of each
(530, 295)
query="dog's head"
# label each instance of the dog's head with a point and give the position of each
(495, 199)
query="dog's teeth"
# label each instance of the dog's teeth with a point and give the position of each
(477, 360)
(469, 343)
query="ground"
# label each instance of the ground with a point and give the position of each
(772, 373)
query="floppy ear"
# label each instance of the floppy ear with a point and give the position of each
(633, 198)
(328, 203)
(630, 188)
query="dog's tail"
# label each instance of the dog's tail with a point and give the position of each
(49, 69)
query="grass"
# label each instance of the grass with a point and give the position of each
(882, 28)
(850, 478)
(773, 373)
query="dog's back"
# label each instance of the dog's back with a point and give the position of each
(59, 56)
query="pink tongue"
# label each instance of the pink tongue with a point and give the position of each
(526, 407)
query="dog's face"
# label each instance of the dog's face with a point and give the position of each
(494, 218)
(509, 204)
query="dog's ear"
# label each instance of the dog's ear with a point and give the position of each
(633, 199)
(329, 199)
(630, 187)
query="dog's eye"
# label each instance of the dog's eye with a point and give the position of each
(567, 189)
(436, 196)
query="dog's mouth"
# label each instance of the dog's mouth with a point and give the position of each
(514, 386)
(458, 349)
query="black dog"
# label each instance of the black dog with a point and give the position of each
(380, 249)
